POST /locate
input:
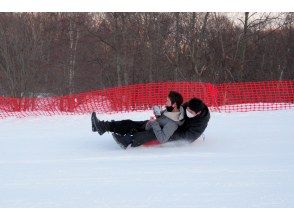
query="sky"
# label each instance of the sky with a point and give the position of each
(234, 9)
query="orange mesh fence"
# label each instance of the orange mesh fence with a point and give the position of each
(227, 97)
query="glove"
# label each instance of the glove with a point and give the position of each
(157, 110)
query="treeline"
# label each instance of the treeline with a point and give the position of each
(61, 53)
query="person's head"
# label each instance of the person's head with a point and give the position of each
(173, 100)
(195, 107)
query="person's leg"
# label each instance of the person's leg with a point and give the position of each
(134, 140)
(121, 127)
(143, 137)
(123, 140)
(125, 126)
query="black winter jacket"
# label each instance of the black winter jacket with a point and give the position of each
(192, 127)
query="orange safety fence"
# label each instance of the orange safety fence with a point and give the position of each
(226, 97)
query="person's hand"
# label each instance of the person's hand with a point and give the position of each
(157, 110)
(152, 119)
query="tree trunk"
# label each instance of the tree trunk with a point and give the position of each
(73, 42)
(118, 58)
(177, 46)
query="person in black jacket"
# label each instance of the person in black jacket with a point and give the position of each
(196, 120)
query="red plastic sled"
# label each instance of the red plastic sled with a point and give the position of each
(151, 143)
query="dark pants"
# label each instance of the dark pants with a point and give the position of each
(127, 126)
(143, 137)
(135, 128)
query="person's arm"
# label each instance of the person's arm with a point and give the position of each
(189, 135)
(163, 134)
(177, 135)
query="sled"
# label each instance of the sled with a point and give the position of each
(151, 143)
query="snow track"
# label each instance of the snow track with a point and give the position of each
(247, 160)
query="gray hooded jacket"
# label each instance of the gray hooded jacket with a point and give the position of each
(166, 124)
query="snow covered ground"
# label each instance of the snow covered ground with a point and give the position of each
(247, 160)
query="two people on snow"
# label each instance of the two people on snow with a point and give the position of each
(177, 121)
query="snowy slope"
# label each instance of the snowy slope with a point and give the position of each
(247, 160)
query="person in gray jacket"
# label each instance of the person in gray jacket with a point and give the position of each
(162, 126)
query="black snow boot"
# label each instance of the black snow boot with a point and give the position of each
(100, 126)
(93, 120)
(123, 140)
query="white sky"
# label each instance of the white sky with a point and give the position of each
(145, 5)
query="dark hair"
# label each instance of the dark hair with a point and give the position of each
(196, 105)
(175, 97)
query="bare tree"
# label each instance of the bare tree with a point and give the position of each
(74, 36)
(19, 49)
(197, 46)
(61, 53)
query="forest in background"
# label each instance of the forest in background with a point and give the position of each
(46, 54)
